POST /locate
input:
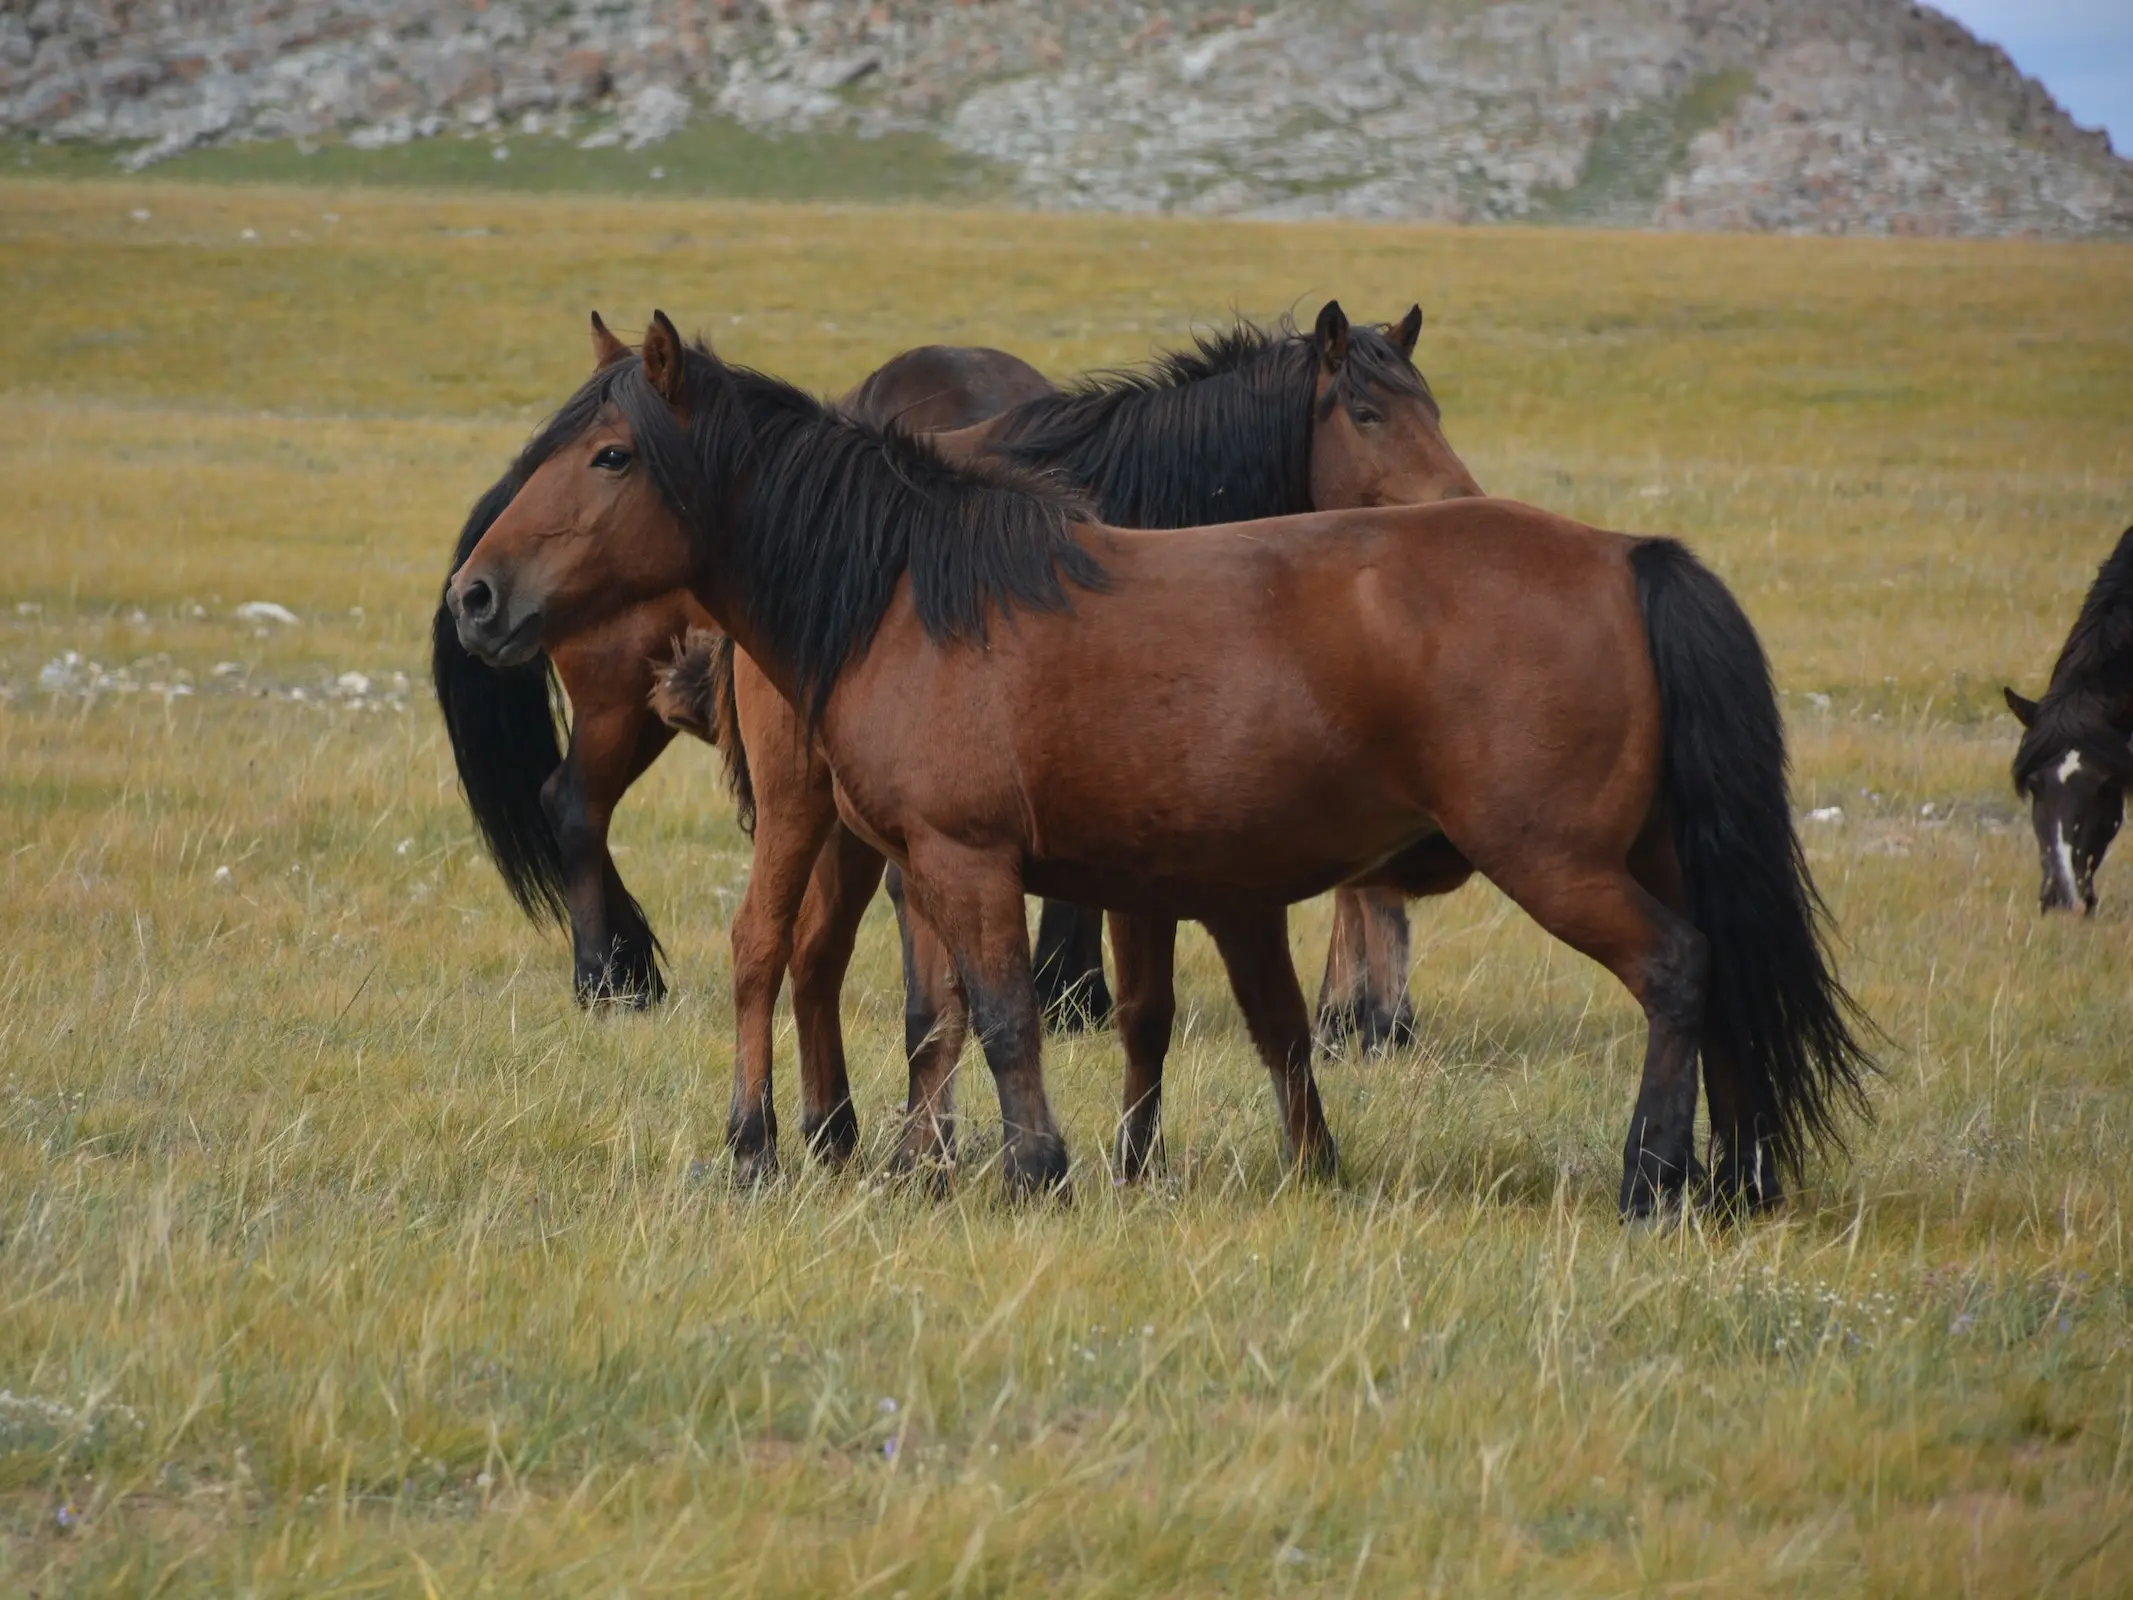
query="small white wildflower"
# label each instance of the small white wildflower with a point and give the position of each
(265, 611)
(352, 683)
(249, 233)
(224, 876)
(403, 847)
(141, 213)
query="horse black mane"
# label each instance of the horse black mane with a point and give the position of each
(818, 516)
(1220, 432)
(2089, 705)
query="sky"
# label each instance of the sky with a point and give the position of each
(2081, 50)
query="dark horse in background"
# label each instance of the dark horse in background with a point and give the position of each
(1250, 423)
(2075, 761)
(544, 812)
(1382, 696)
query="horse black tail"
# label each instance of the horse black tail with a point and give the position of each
(502, 725)
(1774, 1001)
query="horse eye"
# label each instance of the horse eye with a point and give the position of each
(1365, 417)
(612, 459)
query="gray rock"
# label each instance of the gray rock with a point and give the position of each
(1849, 116)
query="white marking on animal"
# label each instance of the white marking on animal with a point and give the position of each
(2069, 766)
(2063, 855)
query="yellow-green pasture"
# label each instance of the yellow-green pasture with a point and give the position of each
(338, 1251)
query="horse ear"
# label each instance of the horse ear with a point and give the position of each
(1331, 335)
(2025, 710)
(663, 362)
(1407, 330)
(607, 349)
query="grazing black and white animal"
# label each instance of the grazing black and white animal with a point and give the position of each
(2075, 762)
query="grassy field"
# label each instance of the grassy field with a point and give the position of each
(339, 1252)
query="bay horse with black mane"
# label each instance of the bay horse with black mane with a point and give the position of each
(2075, 761)
(544, 811)
(1265, 710)
(1259, 422)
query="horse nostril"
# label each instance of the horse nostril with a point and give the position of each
(477, 600)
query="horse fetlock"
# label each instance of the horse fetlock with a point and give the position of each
(1140, 1143)
(1081, 1007)
(752, 1136)
(1035, 1162)
(833, 1135)
(1654, 1180)
(1746, 1182)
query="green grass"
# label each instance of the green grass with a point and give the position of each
(338, 1251)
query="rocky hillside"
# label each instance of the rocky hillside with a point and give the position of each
(1825, 116)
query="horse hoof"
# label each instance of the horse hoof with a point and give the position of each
(626, 986)
(1317, 1162)
(1139, 1152)
(931, 1171)
(753, 1139)
(1035, 1164)
(755, 1171)
(834, 1137)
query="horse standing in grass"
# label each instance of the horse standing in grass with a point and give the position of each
(2075, 761)
(1251, 422)
(1263, 710)
(544, 812)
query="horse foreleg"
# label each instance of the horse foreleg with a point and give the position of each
(790, 829)
(1255, 949)
(846, 873)
(973, 900)
(613, 739)
(1070, 968)
(936, 1022)
(1145, 952)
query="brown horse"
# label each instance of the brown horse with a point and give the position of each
(1265, 710)
(1250, 421)
(544, 812)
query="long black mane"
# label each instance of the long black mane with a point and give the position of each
(2089, 705)
(1220, 432)
(817, 516)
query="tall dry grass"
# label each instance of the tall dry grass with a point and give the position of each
(339, 1252)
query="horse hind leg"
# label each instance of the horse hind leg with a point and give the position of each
(1145, 952)
(1744, 1171)
(1255, 949)
(1340, 992)
(1603, 911)
(1070, 968)
(1387, 1013)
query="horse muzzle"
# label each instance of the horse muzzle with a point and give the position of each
(487, 624)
